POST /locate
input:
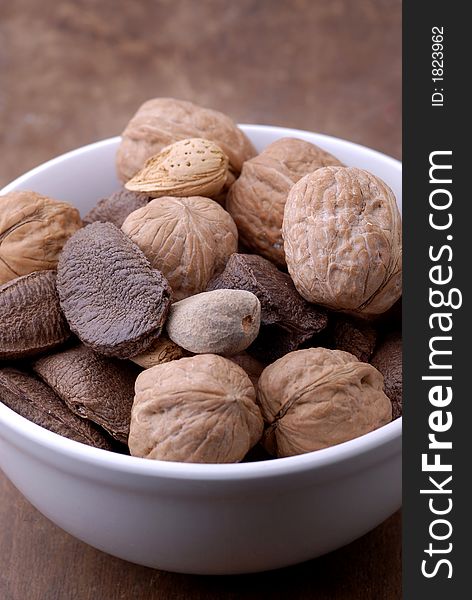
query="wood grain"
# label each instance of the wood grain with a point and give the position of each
(74, 72)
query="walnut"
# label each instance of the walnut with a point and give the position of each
(218, 322)
(257, 200)
(188, 239)
(315, 398)
(33, 230)
(287, 320)
(343, 240)
(200, 409)
(31, 320)
(163, 121)
(111, 297)
(191, 167)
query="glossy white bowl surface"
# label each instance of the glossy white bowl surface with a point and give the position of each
(202, 518)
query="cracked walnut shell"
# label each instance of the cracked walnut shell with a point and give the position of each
(163, 121)
(257, 199)
(33, 230)
(315, 398)
(343, 240)
(200, 409)
(188, 239)
(192, 167)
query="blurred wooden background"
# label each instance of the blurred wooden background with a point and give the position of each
(72, 72)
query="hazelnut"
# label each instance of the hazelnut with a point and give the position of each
(163, 121)
(188, 239)
(200, 409)
(257, 199)
(192, 167)
(33, 230)
(315, 398)
(218, 322)
(343, 240)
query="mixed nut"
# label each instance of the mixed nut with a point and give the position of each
(222, 300)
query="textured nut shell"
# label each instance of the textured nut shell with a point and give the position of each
(116, 207)
(200, 409)
(388, 360)
(94, 387)
(218, 322)
(287, 319)
(33, 230)
(343, 240)
(191, 167)
(37, 402)
(188, 239)
(164, 350)
(31, 320)
(163, 121)
(111, 297)
(257, 199)
(315, 398)
(354, 336)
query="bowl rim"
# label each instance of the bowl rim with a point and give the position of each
(348, 450)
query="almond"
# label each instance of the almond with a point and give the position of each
(189, 167)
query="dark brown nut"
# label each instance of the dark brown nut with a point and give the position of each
(315, 398)
(33, 230)
(31, 320)
(388, 360)
(111, 297)
(392, 319)
(217, 322)
(287, 320)
(250, 365)
(94, 387)
(163, 121)
(343, 241)
(257, 200)
(354, 336)
(35, 401)
(116, 207)
(188, 239)
(200, 409)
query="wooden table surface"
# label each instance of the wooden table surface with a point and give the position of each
(74, 72)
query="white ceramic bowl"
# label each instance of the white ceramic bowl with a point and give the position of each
(202, 518)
